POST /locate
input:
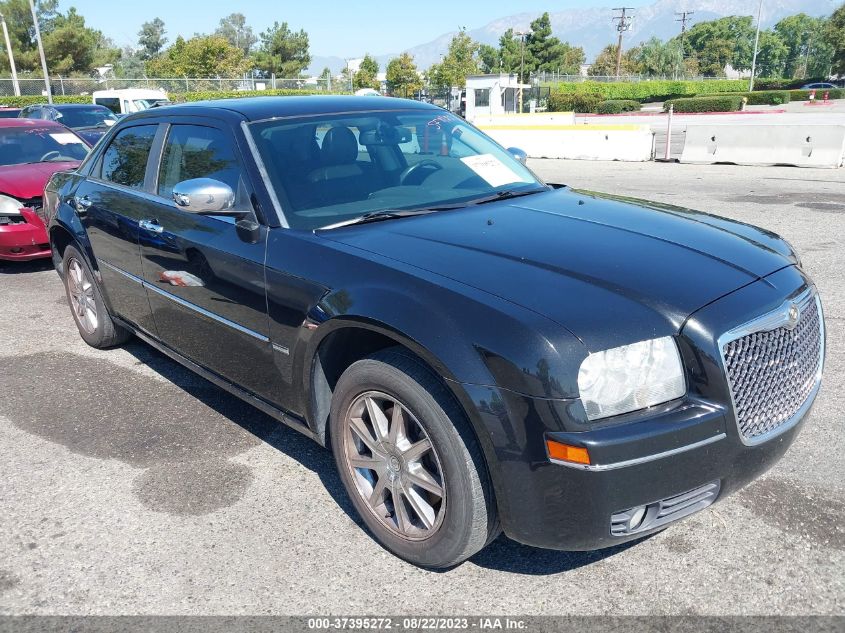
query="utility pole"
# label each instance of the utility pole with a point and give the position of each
(807, 56)
(685, 15)
(623, 21)
(756, 48)
(41, 52)
(522, 35)
(15, 84)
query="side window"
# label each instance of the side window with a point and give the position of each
(125, 160)
(194, 151)
(109, 102)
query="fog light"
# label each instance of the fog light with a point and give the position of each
(636, 519)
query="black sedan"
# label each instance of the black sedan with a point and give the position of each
(88, 120)
(481, 351)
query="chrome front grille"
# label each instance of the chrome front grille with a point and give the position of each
(774, 365)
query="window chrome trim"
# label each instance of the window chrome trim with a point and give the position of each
(640, 460)
(189, 305)
(765, 323)
(265, 177)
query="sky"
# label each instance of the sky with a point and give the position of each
(342, 28)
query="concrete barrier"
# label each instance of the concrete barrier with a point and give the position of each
(530, 119)
(752, 144)
(578, 142)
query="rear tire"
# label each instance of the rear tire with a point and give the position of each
(92, 318)
(411, 445)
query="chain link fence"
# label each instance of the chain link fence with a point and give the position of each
(171, 85)
(546, 77)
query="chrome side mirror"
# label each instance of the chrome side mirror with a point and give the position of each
(204, 196)
(518, 154)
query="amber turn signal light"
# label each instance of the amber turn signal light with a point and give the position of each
(567, 453)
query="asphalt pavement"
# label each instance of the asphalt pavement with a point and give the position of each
(130, 486)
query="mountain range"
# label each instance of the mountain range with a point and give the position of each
(593, 29)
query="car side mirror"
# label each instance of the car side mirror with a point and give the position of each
(518, 154)
(205, 196)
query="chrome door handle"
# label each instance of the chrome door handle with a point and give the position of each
(151, 225)
(82, 203)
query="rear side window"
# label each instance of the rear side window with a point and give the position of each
(194, 151)
(110, 103)
(125, 160)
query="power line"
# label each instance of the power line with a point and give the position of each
(685, 16)
(623, 23)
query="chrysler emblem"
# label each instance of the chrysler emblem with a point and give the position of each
(793, 315)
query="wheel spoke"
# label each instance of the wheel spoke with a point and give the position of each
(422, 478)
(417, 450)
(370, 463)
(377, 419)
(421, 507)
(403, 521)
(377, 496)
(360, 429)
(397, 425)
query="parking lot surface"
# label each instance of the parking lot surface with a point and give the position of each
(130, 486)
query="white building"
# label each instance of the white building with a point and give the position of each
(493, 94)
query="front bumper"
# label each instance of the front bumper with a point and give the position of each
(24, 241)
(649, 458)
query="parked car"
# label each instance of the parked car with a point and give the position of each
(30, 152)
(9, 113)
(818, 86)
(480, 350)
(88, 121)
(129, 100)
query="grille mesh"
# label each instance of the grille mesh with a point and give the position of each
(773, 373)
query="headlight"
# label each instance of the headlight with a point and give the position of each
(9, 206)
(631, 377)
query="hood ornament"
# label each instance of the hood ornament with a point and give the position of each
(793, 315)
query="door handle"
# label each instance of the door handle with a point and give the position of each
(82, 203)
(151, 225)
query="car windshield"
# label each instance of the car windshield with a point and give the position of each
(9, 114)
(28, 145)
(331, 169)
(146, 104)
(86, 117)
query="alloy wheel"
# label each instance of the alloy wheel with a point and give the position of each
(81, 291)
(394, 465)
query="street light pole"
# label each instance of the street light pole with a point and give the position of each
(756, 47)
(15, 84)
(41, 52)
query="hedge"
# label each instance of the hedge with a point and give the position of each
(770, 83)
(764, 97)
(804, 95)
(615, 106)
(576, 102)
(645, 91)
(726, 103)
(22, 102)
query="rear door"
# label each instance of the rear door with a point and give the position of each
(205, 280)
(110, 203)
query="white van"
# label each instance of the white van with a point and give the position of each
(129, 100)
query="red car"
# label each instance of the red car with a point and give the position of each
(30, 152)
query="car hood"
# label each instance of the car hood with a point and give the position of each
(610, 270)
(28, 181)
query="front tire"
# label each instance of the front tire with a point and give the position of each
(92, 318)
(410, 461)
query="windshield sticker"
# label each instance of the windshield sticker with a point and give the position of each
(492, 170)
(66, 138)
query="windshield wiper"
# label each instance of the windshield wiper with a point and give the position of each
(507, 194)
(384, 214)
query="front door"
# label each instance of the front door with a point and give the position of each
(110, 203)
(205, 281)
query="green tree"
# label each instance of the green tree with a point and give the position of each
(808, 53)
(70, 46)
(282, 51)
(489, 59)
(771, 57)
(717, 43)
(403, 78)
(657, 58)
(234, 28)
(546, 53)
(367, 75)
(835, 39)
(460, 61)
(201, 56)
(151, 39)
(605, 64)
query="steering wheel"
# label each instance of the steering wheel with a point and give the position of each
(50, 156)
(427, 164)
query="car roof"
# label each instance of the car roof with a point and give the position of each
(33, 123)
(259, 108)
(74, 106)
